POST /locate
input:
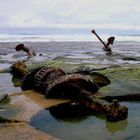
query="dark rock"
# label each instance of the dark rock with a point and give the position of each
(129, 58)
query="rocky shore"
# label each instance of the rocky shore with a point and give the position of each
(16, 113)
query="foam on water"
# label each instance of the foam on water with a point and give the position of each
(61, 37)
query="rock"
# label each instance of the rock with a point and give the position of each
(129, 58)
(88, 69)
(100, 79)
(4, 98)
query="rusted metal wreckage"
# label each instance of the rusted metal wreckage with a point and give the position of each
(80, 89)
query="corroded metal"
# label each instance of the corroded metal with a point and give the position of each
(71, 86)
(81, 89)
(45, 77)
(114, 111)
(19, 69)
(28, 79)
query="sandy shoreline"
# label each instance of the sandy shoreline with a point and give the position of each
(19, 127)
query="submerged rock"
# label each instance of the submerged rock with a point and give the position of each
(130, 58)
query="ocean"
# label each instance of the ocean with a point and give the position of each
(75, 48)
(27, 37)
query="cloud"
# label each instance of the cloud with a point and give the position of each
(70, 13)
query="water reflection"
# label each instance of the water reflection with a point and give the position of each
(76, 113)
(71, 112)
(7, 82)
(67, 121)
(113, 127)
(16, 81)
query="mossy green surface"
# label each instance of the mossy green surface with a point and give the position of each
(5, 99)
(124, 80)
(54, 63)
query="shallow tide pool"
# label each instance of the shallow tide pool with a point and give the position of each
(67, 123)
(80, 126)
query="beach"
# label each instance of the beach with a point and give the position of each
(83, 53)
(57, 80)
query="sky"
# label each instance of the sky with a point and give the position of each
(71, 14)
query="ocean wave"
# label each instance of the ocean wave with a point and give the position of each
(62, 37)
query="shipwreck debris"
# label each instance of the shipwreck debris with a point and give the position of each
(55, 83)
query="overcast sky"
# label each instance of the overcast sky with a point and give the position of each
(118, 14)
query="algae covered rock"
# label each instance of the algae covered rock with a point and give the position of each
(100, 79)
(4, 99)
